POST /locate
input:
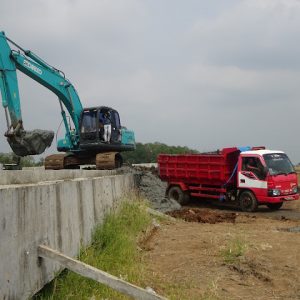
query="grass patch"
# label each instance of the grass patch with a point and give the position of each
(113, 249)
(211, 293)
(234, 250)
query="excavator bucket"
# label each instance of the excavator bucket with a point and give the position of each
(30, 142)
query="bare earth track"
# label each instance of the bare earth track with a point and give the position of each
(226, 255)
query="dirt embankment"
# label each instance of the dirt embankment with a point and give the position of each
(248, 258)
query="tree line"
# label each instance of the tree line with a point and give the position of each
(28, 161)
(147, 153)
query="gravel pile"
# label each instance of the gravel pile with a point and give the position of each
(152, 188)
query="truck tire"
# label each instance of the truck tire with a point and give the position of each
(176, 193)
(275, 206)
(248, 202)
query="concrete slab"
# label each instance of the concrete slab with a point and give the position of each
(59, 214)
(30, 176)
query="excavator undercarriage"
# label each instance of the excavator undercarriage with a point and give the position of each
(103, 161)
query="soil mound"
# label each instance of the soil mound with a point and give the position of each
(203, 216)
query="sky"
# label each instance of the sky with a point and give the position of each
(202, 74)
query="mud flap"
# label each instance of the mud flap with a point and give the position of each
(30, 142)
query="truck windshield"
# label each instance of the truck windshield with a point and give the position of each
(278, 163)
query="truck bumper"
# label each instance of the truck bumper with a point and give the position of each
(278, 199)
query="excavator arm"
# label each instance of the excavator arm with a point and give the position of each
(35, 142)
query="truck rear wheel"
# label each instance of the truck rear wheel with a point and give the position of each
(176, 193)
(248, 202)
(275, 206)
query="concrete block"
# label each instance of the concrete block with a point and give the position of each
(59, 214)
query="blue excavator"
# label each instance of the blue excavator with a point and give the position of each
(93, 136)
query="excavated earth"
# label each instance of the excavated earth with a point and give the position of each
(203, 215)
(30, 142)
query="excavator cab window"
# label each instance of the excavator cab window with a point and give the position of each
(116, 127)
(89, 125)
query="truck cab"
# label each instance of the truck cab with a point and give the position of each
(269, 175)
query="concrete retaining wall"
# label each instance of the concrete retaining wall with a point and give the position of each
(41, 175)
(61, 215)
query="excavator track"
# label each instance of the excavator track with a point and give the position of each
(62, 161)
(103, 161)
(108, 161)
(54, 162)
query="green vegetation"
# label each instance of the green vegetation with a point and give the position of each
(211, 293)
(147, 153)
(234, 250)
(114, 249)
(11, 158)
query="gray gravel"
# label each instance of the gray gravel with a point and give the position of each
(152, 188)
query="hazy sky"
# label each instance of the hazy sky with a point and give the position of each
(205, 74)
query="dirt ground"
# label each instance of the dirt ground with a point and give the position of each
(218, 254)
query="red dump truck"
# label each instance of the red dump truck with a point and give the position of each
(243, 176)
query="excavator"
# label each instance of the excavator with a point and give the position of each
(93, 136)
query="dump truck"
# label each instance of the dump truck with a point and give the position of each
(243, 176)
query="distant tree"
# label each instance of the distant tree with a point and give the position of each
(147, 153)
(11, 158)
(40, 162)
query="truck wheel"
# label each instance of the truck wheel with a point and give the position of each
(275, 206)
(176, 193)
(248, 202)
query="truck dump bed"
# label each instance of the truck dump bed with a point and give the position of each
(207, 168)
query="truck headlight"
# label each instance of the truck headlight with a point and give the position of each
(295, 189)
(274, 192)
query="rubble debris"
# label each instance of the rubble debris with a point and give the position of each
(152, 188)
(30, 142)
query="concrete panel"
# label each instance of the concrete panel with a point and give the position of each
(61, 215)
(39, 175)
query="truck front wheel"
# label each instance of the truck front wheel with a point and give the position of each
(176, 193)
(275, 206)
(248, 202)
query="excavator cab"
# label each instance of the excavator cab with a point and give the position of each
(93, 135)
(93, 128)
